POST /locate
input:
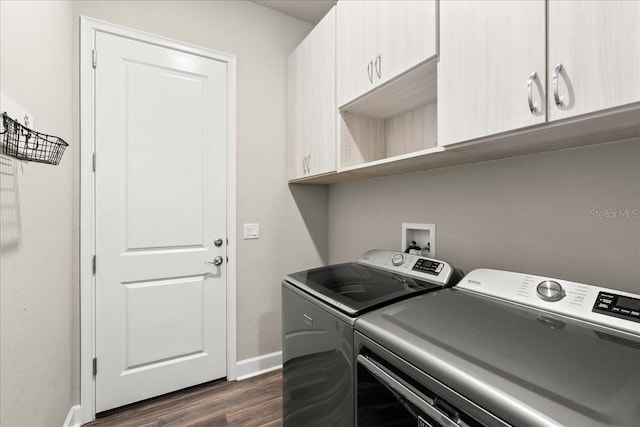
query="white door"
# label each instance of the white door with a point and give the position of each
(161, 132)
(598, 45)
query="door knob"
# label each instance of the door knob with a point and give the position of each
(218, 242)
(216, 261)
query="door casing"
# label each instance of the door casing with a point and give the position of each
(88, 28)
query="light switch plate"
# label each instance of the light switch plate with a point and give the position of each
(252, 231)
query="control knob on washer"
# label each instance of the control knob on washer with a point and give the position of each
(397, 259)
(550, 290)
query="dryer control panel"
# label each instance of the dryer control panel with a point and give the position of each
(419, 267)
(617, 305)
(607, 307)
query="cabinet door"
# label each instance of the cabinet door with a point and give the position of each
(406, 36)
(296, 143)
(598, 45)
(488, 51)
(312, 102)
(356, 48)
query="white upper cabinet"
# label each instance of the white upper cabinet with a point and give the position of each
(597, 46)
(378, 40)
(312, 109)
(356, 48)
(407, 35)
(489, 52)
(385, 87)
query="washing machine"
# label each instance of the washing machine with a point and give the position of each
(319, 310)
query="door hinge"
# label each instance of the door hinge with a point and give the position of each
(94, 58)
(94, 162)
(95, 366)
(93, 265)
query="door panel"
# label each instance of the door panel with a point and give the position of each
(298, 146)
(488, 50)
(164, 320)
(161, 153)
(161, 131)
(356, 47)
(598, 45)
(406, 35)
(312, 102)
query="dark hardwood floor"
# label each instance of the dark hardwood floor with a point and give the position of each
(249, 403)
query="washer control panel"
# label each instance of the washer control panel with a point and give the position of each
(416, 266)
(617, 305)
(616, 309)
(428, 266)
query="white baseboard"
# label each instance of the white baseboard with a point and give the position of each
(74, 417)
(258, 365)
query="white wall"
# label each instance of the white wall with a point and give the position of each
(38, 357)
(536, 214)
(261, 39)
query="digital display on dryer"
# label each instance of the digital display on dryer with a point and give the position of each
(630, 303)
(618, 306)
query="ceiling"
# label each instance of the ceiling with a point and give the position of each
(310, 11)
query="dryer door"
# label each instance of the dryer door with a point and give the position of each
(386, 399)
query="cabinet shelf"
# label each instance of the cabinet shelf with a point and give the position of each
(610, 125)
(396, 119)
(413, 89)
(615, 124)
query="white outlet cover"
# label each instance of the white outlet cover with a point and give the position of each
(252, 231)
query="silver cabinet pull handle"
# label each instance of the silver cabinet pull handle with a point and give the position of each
(379, 66)
(309, 163)
(370, 71)
(304, 165)
(532, 106)
(556, 96)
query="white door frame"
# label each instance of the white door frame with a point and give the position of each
(88, 27)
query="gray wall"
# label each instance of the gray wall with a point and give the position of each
(38, 359)
(536, 214)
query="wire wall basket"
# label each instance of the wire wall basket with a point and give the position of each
(22, 143)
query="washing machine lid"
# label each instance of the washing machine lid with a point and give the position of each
(379, 277)
(355, 288)
(524, 365)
